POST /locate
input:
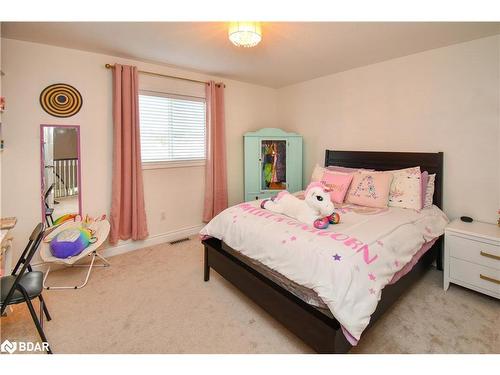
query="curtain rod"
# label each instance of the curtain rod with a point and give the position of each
(112, 66)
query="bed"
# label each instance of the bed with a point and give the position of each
(310, 321)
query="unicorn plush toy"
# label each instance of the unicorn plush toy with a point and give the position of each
(316, 209)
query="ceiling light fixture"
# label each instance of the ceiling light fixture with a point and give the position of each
(245, 34)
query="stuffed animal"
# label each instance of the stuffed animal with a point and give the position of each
(316, 209)
(71, 242)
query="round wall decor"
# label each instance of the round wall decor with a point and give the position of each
(61, 100)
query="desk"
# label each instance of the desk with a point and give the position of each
(5, 253)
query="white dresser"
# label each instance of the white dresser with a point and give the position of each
(472, 256)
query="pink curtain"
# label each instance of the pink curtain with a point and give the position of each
(215, 169)
(128, 215)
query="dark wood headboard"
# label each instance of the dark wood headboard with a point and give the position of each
(384, 161)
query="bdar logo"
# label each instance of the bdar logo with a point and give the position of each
(9, 347)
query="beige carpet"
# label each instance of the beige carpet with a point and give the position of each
(155, 301)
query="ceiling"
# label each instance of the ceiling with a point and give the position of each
(290, 52)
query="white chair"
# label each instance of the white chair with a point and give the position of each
(101, 229)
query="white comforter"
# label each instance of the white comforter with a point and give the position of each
(347, 265)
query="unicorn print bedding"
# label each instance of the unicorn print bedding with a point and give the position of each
(346, 264)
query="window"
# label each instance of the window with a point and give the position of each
(172, 128)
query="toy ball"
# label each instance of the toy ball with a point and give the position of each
(321, 223)
(334, 218)
(70, 242)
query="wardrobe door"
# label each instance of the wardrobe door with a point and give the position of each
(252, 168)
(294, 164)
(273, 165)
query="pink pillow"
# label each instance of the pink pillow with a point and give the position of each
(336, 168)
(370, 189)
(337, 183)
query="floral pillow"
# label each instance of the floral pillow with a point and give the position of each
(424, 178)
(337, 184)
(317, 174)
(429, 192)
(336, 168)
(319, 171)
(370, 189)
(406, 188)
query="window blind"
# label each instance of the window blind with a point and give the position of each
(172, 127)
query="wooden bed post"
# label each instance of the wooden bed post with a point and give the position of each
(206, 267)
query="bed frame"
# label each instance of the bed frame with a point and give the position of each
(320, 331)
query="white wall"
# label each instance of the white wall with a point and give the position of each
(445, 99)
(441, 100)
(178, 192)
(1, 114)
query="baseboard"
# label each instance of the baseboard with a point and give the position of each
(127, 246)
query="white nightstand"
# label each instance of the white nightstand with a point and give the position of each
(472, 256)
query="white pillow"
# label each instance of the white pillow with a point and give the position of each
(406, 188)
(317, 174)
(429, 192)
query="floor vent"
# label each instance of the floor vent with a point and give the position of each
(179, 241)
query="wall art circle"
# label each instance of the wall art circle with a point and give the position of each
(61, 100)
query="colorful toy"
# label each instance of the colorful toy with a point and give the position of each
(316, 209)
(64, 218)
(324, 222)
(86, 221)
(71, 242)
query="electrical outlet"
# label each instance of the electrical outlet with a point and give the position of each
(162, 216)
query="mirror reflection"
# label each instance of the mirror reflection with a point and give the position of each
(60, 185)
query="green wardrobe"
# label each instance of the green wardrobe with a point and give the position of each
(273, 162)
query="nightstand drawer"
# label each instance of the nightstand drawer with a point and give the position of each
(475, 275)
(482, 253)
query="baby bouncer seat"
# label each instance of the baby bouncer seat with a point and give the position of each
(98, 228)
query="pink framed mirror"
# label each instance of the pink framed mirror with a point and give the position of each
(60, 163)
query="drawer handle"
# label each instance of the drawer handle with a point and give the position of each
(490, 279)
(488, 255)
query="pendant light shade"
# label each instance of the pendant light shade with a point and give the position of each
(245, 34)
